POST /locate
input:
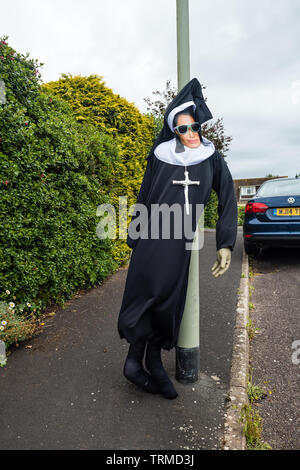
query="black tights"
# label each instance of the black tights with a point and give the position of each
(158, 381)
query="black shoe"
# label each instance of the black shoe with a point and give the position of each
(155, 367)
(134, 371)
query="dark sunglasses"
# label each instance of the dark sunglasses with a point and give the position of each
(183, 129)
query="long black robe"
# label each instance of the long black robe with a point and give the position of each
(156, 284)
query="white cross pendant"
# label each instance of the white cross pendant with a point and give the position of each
(186, 182)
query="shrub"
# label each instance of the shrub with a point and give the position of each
(211, 211)
(16, 326)
(241, 215)
(54, 173)
(93, 102)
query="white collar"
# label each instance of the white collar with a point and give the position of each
(166, 152)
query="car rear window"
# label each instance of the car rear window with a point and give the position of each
(285, 187)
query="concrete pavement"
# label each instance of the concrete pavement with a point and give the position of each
(68, 391)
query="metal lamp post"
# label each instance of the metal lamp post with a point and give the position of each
(187, 349)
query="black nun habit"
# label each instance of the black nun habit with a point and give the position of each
(156, 285)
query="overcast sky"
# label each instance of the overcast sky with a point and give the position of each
(247, 54)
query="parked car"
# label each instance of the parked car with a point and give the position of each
(272, 216)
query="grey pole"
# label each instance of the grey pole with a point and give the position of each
(183, 43)
(187, 349)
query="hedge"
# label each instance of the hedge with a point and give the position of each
(93, 102)
(54, 173)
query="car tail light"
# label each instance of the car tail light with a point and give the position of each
(255, 207)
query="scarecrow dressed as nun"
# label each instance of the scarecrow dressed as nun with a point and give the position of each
(182, 169)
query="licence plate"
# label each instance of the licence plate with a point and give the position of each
(286, 211)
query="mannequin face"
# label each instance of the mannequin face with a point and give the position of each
(190, 139)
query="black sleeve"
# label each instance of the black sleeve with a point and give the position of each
(226, 228)
(141, 199)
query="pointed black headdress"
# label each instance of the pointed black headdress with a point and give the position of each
(190, 95)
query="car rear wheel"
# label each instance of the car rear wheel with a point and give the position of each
(252, 249)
